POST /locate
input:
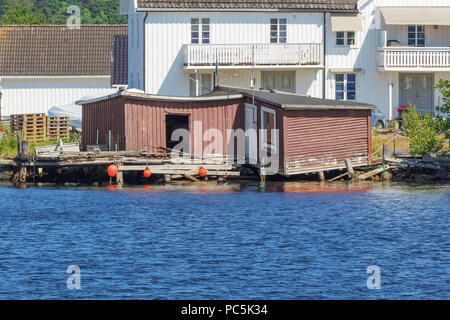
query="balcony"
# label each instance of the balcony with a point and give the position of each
(414, 59)
(243, 56)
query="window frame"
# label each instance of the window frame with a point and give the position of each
(416, 34)
(279, 29)
(272, 147)
(201, 38)
(202, 88)
(345, 38)
(345, 86)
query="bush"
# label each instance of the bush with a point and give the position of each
(423, 133)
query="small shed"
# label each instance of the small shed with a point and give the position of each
(301, 133)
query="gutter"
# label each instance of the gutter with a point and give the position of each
(241, 10)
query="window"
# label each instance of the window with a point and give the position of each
(205, 84)
(416, 36)
(345, 38)
(407, 83)
(278, 30)
(286, 82)
(270, 82)
(345, 86)
(200, 30)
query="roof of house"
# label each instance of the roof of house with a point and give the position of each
(283, 100)
(55, 50)
(346, 5)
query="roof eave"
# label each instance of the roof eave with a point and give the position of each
(145, 9)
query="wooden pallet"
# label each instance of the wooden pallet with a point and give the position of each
(58, 128)
(32, 126)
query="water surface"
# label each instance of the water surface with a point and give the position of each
(237, 241)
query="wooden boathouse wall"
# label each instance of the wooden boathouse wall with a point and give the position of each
(139, 124)
(104, 115)
(326, 138)
(310, 139)
(146, 120)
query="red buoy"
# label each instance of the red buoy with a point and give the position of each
(147, 173)
(202, 172)
(112, 170)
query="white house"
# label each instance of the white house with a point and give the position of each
(46, 66)
(386, 53)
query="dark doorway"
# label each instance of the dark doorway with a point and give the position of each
(175, 122)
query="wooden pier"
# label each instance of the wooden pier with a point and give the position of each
(66, 160)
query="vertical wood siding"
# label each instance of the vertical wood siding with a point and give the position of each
(326, 138)
(104, 116)
(146, 120)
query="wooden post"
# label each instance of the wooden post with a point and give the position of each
(119, 179)
(348, 164)
(19, 144)
(321, 176)
(25, 147)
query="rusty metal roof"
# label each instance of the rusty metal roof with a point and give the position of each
(346, 5)
(50, 50)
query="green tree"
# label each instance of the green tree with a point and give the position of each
(421, 131)
(22, 13)
(443, 119)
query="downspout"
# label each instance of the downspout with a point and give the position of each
(324, 90)
(144, 73)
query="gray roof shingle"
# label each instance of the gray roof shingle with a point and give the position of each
(347, 5)
(50, 50)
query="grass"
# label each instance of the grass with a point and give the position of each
(401, 142)
(8, 143)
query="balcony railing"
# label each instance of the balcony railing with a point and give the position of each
(414, 58)
(301, 54)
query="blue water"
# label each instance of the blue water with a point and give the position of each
(287, 241)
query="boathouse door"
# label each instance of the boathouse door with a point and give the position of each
(251, 133)
(178, 133)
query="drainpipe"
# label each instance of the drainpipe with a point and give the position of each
(144, 73)
(390, 96)
(324, 90)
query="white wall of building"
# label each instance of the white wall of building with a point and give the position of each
(38, 95)
(166, 33)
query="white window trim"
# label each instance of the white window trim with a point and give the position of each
(278, 30)
(200, 29)
(265, 146)
(345, 45)
(345, 85)
(416, 38)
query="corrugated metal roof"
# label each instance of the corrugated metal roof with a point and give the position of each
(50, 50)
(251, 4)
(292, 101)
(286, 101)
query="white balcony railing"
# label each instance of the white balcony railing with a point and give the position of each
(410, 58)
(302, 54)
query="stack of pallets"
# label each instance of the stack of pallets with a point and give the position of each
(32, 126)
(38, 127)
(58, 128)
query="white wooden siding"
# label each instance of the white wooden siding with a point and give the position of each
(166, 33)
(38, 95)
